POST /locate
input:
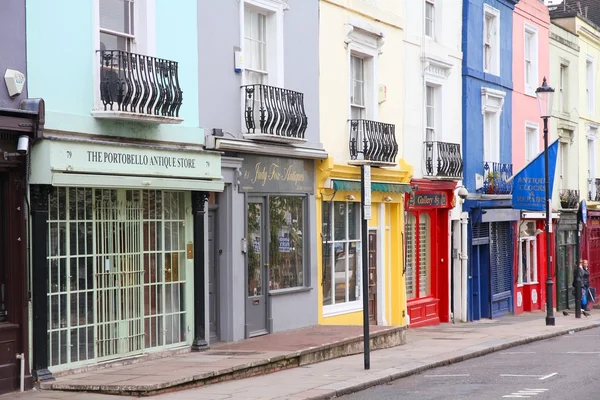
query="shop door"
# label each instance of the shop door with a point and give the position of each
(257, 269)
(480, 271)
(566, 260)
(119, 275)
(373, 277)
(212, 278)
(501, 268)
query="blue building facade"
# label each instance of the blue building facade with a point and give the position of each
(487, 131)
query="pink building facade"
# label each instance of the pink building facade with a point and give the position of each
(531, 49)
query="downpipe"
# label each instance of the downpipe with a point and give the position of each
(464, 257)
(21, 357)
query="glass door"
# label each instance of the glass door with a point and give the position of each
(257, 269)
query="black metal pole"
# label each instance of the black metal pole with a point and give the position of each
(39, 282)
(549, 302)
(198, 210)
(365, 273)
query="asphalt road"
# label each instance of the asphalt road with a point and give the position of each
(566, 367)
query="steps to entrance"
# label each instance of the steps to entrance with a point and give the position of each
(228, 361)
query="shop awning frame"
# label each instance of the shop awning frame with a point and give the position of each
(382, 187)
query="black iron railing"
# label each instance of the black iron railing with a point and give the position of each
(373, 141)
(139, 84)
(442, 160)
(274, 111)
(495, 176)
(569, 198)
(595, 194)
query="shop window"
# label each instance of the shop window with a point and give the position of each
(341, 253)
(286, 247)
(527, 261)
(418, 255)
(116, 272)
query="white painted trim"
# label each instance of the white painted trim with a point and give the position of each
(532, 30)
(371, 67)
(342, 308)
(381, 264)
(591, 132)
(489, 10)
(591, 105)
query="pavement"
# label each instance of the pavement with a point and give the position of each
(426, 348)
(564, 367)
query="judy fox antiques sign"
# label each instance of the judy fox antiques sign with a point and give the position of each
(277, 175)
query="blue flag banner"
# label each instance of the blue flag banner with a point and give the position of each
(529, 191)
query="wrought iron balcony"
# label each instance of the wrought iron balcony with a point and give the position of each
(274, 114)
(442, 160)
(372, 143)
(495, 176)
(139, 87)
(594, 195)
(569, 199)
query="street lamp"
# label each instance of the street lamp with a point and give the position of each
(545, 96)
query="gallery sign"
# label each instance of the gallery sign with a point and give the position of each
(277, 175)
(430, 200)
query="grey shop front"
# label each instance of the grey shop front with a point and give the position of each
(263, 261)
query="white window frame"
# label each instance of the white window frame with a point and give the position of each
(365, 41)
(349, 306)
(143, 42)
(364, 79)
(437, 112)
(563, 93)
(492, 103)
(530, 86)
(563, 155)
(531, 272)
(531, 126)
(431, 34)
(493, 42)
(273, 10)
(589, 85)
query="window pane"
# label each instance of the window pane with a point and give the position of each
(339, 220)
(286, 249)
(327, 273)
(340, 273)
(112, 42)
(353, 266)
(326, 220)
(255, 43)
(424, 256)
(429, 106)
(254, 250)
(357, 73)
(429, 18)
(523, 263)
(411, 260)
(354, 222)
(115, 15)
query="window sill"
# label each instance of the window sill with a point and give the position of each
(283, 292)
(520, 285)
(344, 308)
(530, 92)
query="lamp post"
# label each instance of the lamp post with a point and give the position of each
(545, 96)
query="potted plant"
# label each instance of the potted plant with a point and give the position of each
(491, 178)
(564, 199)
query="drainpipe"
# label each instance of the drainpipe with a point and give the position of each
(21, 357)
(464, 257)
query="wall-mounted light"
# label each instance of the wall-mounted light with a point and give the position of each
(22, 148)
(350, 197)
(387, 199)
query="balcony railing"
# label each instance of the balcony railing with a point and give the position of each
(495, 176)
(442, 160)
(373, 143)
(569, 199)
(274, 113)
(139, 87)
(594, 192)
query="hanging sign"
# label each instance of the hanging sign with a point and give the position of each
(367, 191)
(430, 200)
(583, 211)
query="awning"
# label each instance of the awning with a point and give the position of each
(384, 187)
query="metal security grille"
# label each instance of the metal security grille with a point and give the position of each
(119, 273)
(501, 256)
(116, 273)
(481, 230)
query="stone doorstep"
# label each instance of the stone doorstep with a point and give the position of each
(382, 339)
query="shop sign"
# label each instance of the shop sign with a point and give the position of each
(428, 200)
(277, 175)
(63, 156)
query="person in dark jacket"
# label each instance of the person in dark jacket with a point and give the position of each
(580, 271)
(585, 283)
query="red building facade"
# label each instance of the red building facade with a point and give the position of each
(427, 251)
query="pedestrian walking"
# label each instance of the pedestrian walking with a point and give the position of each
(585, 285)
(579, 272)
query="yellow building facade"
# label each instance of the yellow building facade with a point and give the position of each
(361, 89)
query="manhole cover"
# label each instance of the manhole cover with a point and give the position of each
(231, 353)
